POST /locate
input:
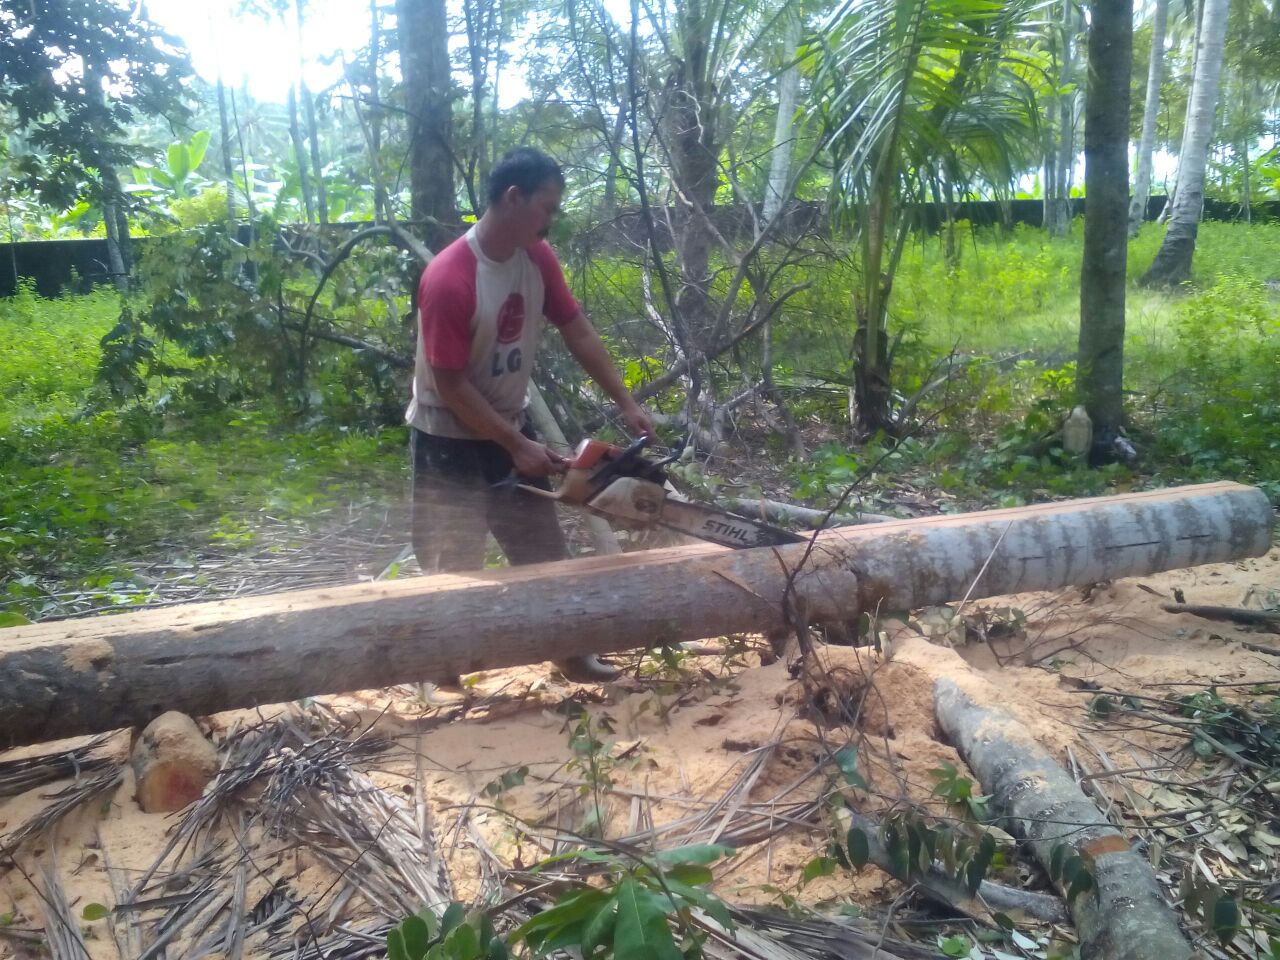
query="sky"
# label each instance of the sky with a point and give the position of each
(265, 53)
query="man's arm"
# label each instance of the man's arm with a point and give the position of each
(588, 349)
(467, 404)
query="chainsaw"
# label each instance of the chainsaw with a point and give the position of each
(626, 485)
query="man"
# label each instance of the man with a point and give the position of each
(481, 303)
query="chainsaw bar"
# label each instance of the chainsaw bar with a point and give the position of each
(717, 526)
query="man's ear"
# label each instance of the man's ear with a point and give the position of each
(511, 194)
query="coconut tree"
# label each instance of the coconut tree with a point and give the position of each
(1106, 178)
(1172, 264)
(1150, 113)
(914, 93)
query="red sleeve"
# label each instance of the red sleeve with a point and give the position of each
(446, 304)
(558, 304)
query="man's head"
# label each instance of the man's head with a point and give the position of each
(524, 193)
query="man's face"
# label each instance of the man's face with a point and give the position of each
(531, 215)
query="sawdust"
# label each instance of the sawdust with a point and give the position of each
(673, 747)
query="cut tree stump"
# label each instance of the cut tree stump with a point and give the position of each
(1126, 916)
(172, 763)
(65, 678)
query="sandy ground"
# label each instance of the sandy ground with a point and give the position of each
(703, 747)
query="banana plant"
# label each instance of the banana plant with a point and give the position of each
(177, 179)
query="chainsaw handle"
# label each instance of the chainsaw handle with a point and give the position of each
(618, 464)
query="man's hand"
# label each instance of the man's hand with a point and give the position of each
(533, 459)
(637, 419)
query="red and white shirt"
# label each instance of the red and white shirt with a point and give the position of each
(484, 317)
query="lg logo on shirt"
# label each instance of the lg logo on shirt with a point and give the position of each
(510, 327)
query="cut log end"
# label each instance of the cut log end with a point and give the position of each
(172, 763)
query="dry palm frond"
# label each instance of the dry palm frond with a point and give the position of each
(818, 937)
(61, 931)
(19, 776)
(65, 800)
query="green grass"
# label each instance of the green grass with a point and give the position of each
(89, 490)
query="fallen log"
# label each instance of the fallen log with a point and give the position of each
(1125, 916)
(1243, 615)
(67, 678)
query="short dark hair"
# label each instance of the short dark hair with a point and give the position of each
(524, 168)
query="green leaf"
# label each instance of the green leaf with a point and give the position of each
(642, 931)
(690, 875)
(416, 936)
(9, 619)
(1226, 919)
(197, 148)
(713, 905)
(702, 854)
(93, 911)
(1081, 883)
(454, 914)
(859, 847)
(462, 943)
(954, 946)
(570, 910)
(395, 946)
(599, 929)
(846, 759)
(817, 867)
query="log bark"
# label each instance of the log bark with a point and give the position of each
(73, 677)
(1127, 917)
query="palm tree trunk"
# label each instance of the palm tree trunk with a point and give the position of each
(1172, 264)
(228, 173)
(1059, 221)
(788, 83)
(1186, 120)
(1150, 112)
(380, 202)
(1106, 165)
(423, 29)
(300, 156)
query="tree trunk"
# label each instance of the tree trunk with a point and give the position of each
(423, 31)
(1150, 113)
(780, 162)
(116, 223)
(381, 207)
(1060, 205)
(693, 144)
(1100, 362)
(313, 129)
(1127, 917)
(1186, 120)
(300, 155)
(228, 173)
(1172, 264)
(74, 677)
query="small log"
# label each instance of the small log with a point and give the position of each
(1253, 618)
(66, 678)
(1126, 917)
(172, 763)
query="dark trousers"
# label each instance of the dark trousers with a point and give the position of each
(458, 497)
